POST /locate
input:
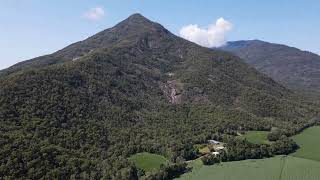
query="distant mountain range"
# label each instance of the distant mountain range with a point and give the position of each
(81, 112)
(296, 69)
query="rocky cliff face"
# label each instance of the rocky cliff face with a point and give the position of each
(82, 111)
(173, 91)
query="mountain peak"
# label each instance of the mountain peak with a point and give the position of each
(137, 16)
(136, 19)
(132, 29)
(138, 22)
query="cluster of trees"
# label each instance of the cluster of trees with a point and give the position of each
(167, 172)
(210, 159)
(277, 134)
(83, 119)
(35, 148)
(241, 149)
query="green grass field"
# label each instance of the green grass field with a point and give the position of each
(301, 165)
(276, 168)
(309, 142)
(148, 161)
(256, 137)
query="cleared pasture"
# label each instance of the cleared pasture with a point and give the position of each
(301, 165)
(309, 142)
(276, 168)
(256, 137)
(148, 161)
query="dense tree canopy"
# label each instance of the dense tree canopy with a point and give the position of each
(82, 118)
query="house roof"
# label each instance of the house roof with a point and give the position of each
(220, 147)
(213, 141)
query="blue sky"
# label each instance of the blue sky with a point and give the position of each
(30, 28)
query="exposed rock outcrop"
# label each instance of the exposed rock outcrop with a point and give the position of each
(173, 91)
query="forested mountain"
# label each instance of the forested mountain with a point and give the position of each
(80, 112)
(298, 70)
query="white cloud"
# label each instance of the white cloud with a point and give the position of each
(213, 36)
(94, 14)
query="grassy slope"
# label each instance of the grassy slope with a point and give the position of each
(308, 141)
(257, 137)
(299, 169)
(304, 164)
(148, 161)
(248, 169)
(277, 168)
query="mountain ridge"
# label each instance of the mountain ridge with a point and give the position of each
(139, 90)
(103, 39)
(292, 67)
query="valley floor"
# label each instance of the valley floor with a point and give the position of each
(276, 168)
(304, 164)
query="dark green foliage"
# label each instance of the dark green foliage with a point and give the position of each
(241, 149)
(275, 135)
(141, 172)
(296, 69)
(210, 159)
(168, 172)
(283, 146)
(82, 118)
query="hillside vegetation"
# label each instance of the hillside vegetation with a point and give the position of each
(81, 112)
(303, 164)
(298, 70)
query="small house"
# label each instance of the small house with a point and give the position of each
(213, 142)
(215, 153)
(219, 148)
